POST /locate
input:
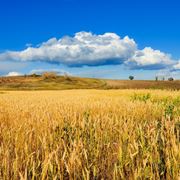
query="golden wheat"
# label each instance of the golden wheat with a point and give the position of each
(90, 134)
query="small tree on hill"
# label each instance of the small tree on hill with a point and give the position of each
(131, 77)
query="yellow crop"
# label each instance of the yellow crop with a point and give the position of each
(90, 134)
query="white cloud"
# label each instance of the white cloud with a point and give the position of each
(149, 58)
(14, 74)
(177, 66)
(41, 71)
(90, 49)
(84, 48)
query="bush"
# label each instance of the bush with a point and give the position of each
(49, 75)
(170, 79)
(34, 75)
(67, 77)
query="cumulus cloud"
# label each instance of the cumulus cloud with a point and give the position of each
(14, 74)
(177, 66)
(41, 71)
(83, 49)
(149, 58)
(87, 49)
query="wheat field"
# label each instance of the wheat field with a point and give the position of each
(90, 134)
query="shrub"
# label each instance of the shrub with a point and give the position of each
(49, 75)
(67, 77)
(34, 75)
(170, 79)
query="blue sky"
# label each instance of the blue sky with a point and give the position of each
(94, 33)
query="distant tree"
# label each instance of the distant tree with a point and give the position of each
(156, 78)
(163, 78)
(131, 77)
(171, 79)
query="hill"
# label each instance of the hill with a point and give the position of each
(61, 82)
(57, 83)
(143, 84)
